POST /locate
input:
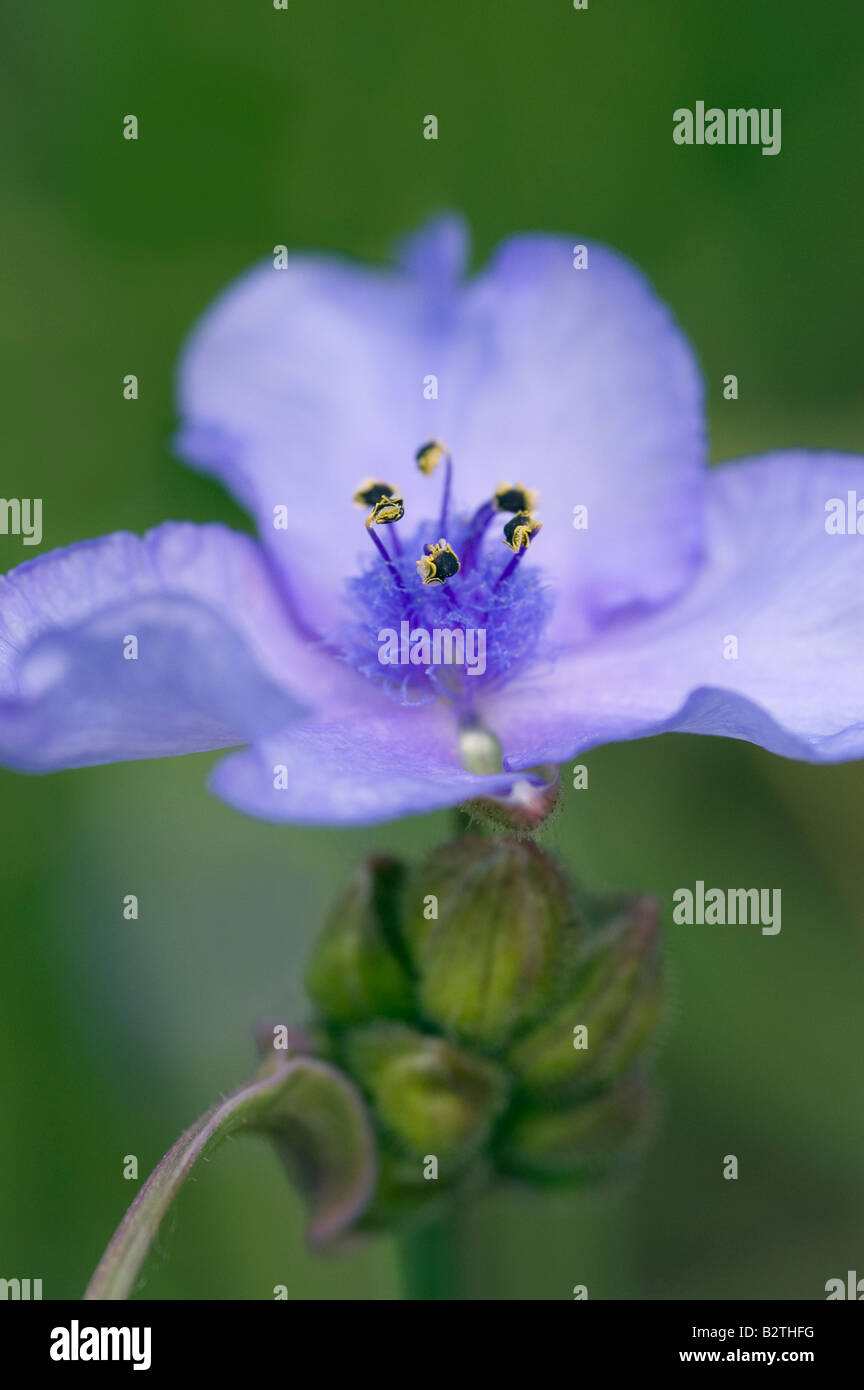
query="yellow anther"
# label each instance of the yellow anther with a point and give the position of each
(438, 563)
(385, 510)
(519, 530)
(371, 490)
(429, 456)
(513, 497)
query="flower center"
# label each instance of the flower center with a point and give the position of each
(443, 610)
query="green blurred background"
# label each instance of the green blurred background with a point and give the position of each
(258, 127)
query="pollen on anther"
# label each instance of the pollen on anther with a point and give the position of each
(519, 531)
(513, 497)
(385, 511)
(438, 563)
(429, 456)
(371, 491)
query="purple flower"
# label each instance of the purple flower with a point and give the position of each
(658, 595)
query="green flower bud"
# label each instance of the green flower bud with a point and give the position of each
(429, 1097)
(408, 1194)
(356, 972)
(607, 1017)
(486, 922)
(585, 1142)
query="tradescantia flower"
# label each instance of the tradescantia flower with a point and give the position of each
(462, 416)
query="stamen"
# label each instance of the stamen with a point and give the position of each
(371, 491)
(397, 578)
(427, 458)
(508, 569)
(519, 530)
(387, 506)
(474, 535)
(445, 498)
(385, 511)
(429, 455)
(517, 534)
(513, 497)
(438, 563)
(508, 497)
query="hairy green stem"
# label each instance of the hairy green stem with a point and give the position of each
(321, 1128)
(117, 1270)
